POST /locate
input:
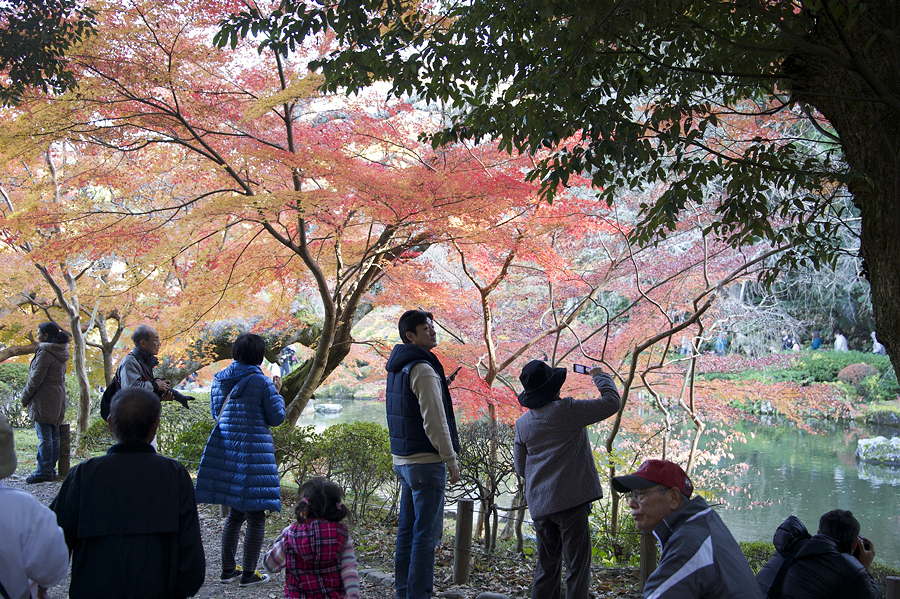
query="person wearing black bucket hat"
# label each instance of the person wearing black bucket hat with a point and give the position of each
(553, 454)
(700, 557)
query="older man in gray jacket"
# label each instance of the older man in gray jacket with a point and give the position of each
(553, 455)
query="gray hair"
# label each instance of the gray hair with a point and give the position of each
(142, 333)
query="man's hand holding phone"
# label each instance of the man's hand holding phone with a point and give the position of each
(864, 551)
(582, 369)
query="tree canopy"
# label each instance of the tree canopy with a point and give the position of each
(34, 38)
(771, 106)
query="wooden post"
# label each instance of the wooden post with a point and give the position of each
(462, 548)
(892, 587)
(648, 556)
(65, 449)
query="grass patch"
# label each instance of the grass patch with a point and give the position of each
(26, 449)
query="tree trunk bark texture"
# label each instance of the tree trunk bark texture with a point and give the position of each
(860, 96)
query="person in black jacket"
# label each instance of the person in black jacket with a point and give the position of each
(424, 449)
(833, 563)
(129, 517)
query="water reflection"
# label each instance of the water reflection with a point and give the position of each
(790, 471)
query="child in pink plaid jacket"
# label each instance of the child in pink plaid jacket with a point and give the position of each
(316, 551)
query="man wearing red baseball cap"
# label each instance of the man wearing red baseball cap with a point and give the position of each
(699, 559)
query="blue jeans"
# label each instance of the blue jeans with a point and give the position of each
(48, 448)
(421, 499)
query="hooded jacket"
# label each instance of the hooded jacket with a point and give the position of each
(404, 416)
(45, 391)
(819, 569)
(700, 559)
(238, 468)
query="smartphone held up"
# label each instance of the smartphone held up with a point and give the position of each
(581, 369)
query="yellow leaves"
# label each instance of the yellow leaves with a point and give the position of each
(299, 89)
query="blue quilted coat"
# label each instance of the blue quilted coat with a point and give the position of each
(238, 464)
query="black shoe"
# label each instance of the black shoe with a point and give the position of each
(232, 576)
(254, 579)
(39, 478)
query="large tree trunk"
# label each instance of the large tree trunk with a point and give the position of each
(860, 96)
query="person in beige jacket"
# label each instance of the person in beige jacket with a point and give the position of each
(45, 396)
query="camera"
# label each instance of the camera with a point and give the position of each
(581, 369)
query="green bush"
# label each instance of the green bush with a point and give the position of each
(757, 553)
(359, 459)
(299, 451)
(824, 366)
(355, 455)
(183, 432)
(97, 437)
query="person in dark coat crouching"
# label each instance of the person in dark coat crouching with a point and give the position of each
(129, 517)
(833, 563)
(238, 468)
(553, 454)
(45, 397)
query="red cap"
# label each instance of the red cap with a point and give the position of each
(652, 473)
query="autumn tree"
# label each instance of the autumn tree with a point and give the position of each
(278, 190)
(635, 93)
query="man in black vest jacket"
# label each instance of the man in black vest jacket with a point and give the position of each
(129, 517)
(424, 446)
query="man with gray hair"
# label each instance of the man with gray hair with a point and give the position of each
(130, 517)
(136, 371)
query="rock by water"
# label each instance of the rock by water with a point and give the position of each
(879, 450)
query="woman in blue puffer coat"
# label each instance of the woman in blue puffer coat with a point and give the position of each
(238, 464)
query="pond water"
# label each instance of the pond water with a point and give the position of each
(789, 471)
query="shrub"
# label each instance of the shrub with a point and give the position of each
(298, 451)
(757, 553)
(97, 437)
(358, 455)
(824, 366)
(183, 432)
(854, 374)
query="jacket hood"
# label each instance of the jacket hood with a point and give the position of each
(235, 372)
(691, 508)
(818, 545)
(789, 535)
(403, 354)
(58, 350)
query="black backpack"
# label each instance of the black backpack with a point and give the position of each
(106, 399)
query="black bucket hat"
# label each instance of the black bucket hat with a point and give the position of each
(541, 384)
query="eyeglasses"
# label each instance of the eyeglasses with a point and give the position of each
(641, 496)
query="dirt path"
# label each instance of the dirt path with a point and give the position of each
(211, 531)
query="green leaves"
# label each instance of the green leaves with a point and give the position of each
(34, 38)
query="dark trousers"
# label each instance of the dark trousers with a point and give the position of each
(563, 536)
(48, 448)
(253, 539)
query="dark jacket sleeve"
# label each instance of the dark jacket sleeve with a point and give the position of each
(65, 505)
(36, 374)
(864, 585)
(192, 561)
